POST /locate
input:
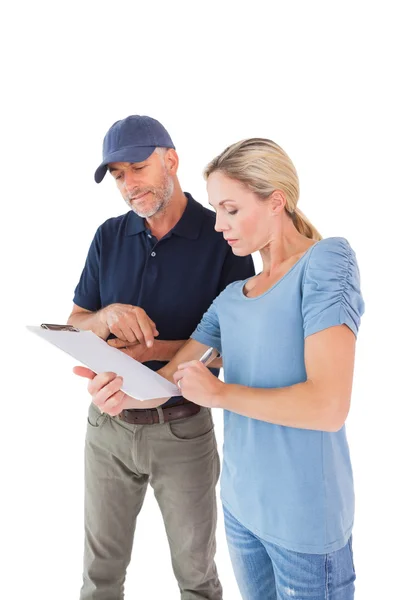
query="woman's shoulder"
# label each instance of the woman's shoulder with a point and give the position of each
(232, 289)
(230, 294)
(330, 253)
(332, 261)
(331, 286)
(327, 246)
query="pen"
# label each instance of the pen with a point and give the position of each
(203, 359)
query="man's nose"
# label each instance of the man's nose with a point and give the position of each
(130, 180)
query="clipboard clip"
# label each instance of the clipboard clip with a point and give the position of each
(53, 327)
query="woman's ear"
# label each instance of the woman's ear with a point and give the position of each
(277, 202)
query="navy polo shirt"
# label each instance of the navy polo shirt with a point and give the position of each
(174, 279)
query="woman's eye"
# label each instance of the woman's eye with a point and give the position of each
(232, 212)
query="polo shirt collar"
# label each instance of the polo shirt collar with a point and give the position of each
(190, 223)
(188, 226)
(134, 224)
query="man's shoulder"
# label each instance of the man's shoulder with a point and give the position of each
(208, 219)
(207, 212)
(208, 228)
(114, 226)
(114, 222)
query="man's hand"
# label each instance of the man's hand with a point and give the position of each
(105, 390)
(129, 323)
(138, 351)
(161, 350)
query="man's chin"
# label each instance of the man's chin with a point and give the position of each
(145, 214)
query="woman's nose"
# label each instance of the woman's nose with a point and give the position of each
(220, 225)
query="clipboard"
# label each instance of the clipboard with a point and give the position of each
(139, 381)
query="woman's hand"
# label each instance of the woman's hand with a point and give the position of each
(199, 385)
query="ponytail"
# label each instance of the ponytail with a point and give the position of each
(304, 226)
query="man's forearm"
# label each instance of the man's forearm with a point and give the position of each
(165, 350)
(175, 352)
(189, 350)
(92, 321)
(162, 350)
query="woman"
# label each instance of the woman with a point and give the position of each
(287, 337)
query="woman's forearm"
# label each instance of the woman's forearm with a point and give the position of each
(303, 405)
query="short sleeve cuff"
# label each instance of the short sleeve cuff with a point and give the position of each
(331, 318)
(207, 339)
(86, 302)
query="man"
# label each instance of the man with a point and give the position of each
(149, 276)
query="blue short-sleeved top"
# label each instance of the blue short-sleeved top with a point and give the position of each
(292, 487)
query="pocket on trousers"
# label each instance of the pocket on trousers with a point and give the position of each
(197, 427)
(95, 418)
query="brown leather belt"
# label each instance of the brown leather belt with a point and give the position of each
(149, 416)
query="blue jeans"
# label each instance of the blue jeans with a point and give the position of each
(265, 571)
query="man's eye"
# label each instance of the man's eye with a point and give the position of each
(118, 176)
(138, 168)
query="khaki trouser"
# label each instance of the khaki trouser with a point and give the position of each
(180, 461)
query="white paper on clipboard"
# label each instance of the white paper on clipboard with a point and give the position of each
(139, 381)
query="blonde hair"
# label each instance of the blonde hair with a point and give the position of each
(263, 167)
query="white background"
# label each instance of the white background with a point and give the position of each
(318, 78)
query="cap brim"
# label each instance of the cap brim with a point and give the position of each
(131, 154)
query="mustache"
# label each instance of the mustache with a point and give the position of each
(138, 192)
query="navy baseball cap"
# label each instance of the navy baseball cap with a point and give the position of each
(132, 140)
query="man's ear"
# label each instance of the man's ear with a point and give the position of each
(171, 161)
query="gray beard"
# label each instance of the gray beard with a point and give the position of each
(162, 200)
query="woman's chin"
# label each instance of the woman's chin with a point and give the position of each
(238, 251)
